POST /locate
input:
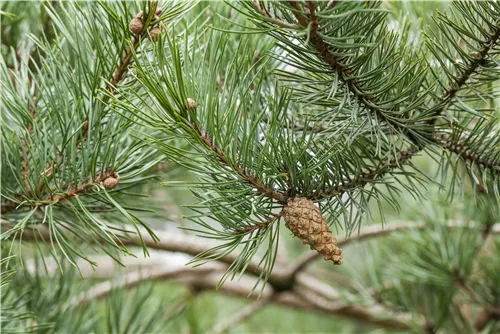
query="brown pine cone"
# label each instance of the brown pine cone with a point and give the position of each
(136, 25)
(153, 33)
(305, 221)
(111, 181)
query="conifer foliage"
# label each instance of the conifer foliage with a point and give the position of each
(307, 115)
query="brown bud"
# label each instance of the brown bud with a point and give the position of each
(110, 182)
(136, 25)
(158, 11)
(153, 33)
(191, 103)
(305, 221)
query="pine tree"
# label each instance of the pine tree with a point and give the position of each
(319, 117)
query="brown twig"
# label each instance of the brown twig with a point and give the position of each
(258, 226)
(460, 149)
(271, 18)
(247, 176)
(242, 315)
(117, 76)
(297, 12)
(8, 206)
(309, 128)
(133, 279)
(75, 191)
(323, 296)
(82, 187)
(369, 175)
(312, 18)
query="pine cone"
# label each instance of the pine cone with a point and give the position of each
(153, 33)
(305, 221)
(111, 181)
(136, 25)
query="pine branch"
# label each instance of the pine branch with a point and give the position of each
(258, 226)
(368, 176)
(248, 177)
(479, 59)
(308, 19)
(369, 101)
(460, 81)
(109, 179)
(466, 154)
(116, 78)
(311, 21)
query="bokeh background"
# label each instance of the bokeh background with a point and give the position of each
(396, 281)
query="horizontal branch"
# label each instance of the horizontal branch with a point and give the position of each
(102, 290)
(207, 279)
(320, 295)
(281, 277)
(242, 315)
(84, 187)
(368, 176)
(467, 155)
(258, 226)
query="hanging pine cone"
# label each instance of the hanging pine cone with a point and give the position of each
(305, 221)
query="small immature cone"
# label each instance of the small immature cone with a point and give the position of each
(191, 103)
(153, 33)
(305, 221)
(111, 181)
(136, 25)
